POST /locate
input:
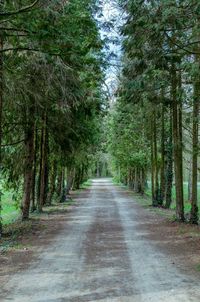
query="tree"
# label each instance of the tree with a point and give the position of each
(53, 77)
(160, 45)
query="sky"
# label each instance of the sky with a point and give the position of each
(112, 13)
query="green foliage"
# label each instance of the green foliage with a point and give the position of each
(158, 84)
(52, 56)
(10, 211)
(127, 141)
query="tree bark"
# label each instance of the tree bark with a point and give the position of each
(33, 205)
(195, 141)
(156, 160)
(70, 176)
(46, 166)
(42, 166)
(177, 147)
(98, 169)
(52, 187)
(169, 171)
(78, 178)
(162, 170)
(136, 180)
(63, 196)
(28, 174)
(152, 166)
(155, 181)
(190, 181)
(59, 183)
(142, 181)
(1, 116)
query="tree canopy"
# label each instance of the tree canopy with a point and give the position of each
(51, 74)
(156, 116)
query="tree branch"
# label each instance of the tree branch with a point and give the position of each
(15, 29)
(14, 143)
(182, 47)
(22, 10)
(28, 49)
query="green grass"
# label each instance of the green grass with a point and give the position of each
(9, 210)
(185, 193)
(116, 182)
(86, 184)
(143, 200)
(10, 213)
(13, 233)
(198, 267)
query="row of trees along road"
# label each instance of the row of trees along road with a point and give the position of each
(50, 97)
(154, 125)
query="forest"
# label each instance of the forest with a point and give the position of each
(51, 73)
(99, 150)
(154, 126)
(57, 124)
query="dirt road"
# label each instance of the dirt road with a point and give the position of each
(103, 254)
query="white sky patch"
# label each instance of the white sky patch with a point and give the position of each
(112, 14)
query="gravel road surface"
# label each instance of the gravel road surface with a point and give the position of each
(102, 254)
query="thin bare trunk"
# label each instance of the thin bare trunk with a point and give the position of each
(52, 188)
(194, 204)
(28, 174)
(162, 171)
(156, 158)
(177, 143)
(155, 181)
(169, 171)
(33, 206)
(190, 181)
(1, 116)
(70, 177)
(152, 166)
(42, 166)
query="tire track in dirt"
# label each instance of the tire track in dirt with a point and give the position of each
(103, 253)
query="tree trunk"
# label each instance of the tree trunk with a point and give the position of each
(156, 159)
(52, 187)
(177, 146)
(155, 181)
(190, 181)
(152, 166)
(82, 177)
(98, 169)
(136, 182)
(78, 178)
(180, 149)
(33, 205)
(119, 173)
(28, 174)
(42, 166)
(162, 171)
(169, 171)
(1, 116)
(63, 196)
(139, 182)
(132, 178)
(194, 204)
(59, 183)
(46, 166)
(142, 181)
(70, 176)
